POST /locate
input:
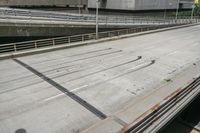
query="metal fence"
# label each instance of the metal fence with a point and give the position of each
(7, 13)
(70, 40)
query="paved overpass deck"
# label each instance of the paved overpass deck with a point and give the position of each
(31, 23)
(96, 88)
(45, 18)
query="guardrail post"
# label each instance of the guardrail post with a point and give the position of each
(106, 20)
(15, 13)
(82, 38)
(35, 44)
(53, 41)
(109, 34)
(15, 48)
(69, 41)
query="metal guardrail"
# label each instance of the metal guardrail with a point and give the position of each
(6, 13)
(169, 104)
(62, 15)
(20, 46)
(106, 22)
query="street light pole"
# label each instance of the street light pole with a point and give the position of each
(165, 6)
(192, 14)
(97, 18)
(177, 9)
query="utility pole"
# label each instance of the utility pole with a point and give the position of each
(97, 19)
(177, 9)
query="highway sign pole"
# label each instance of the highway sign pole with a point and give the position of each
(177, 9)
(97, 19)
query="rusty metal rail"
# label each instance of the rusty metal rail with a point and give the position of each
(159, 116)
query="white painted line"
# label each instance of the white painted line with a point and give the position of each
(54, 97)
(79, 88)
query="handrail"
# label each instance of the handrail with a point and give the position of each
(30, 14)
(20, 46)
(107, 21)
(48, 13)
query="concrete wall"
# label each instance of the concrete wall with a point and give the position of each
(104, 4)
(155, 4)
(114, 4)
(42, 2)
(139, 4)
(10, 34)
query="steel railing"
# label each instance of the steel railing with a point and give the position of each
(105, 22)
(169, 104)
(70, 40)
(6, 13)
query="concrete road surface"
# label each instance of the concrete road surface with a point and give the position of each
(96, 88)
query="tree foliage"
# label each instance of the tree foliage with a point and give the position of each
(196, 10)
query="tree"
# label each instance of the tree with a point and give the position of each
(196, 10)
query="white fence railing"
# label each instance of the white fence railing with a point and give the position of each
(69, 40)
(7, 13)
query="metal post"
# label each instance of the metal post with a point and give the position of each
(35, 43)
(15, 48)
(97, 18)
(79, 11)
(69, 40)
(177, 9)
(165, 9)
(82, 38)
(109, 34)
(106, 20)
(192, 14)
(79, 8)
(53, 41)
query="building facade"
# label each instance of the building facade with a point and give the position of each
(141, 4)
(49, 3)
(103, 4)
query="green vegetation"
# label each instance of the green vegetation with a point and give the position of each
(197, 10)
(182, 13)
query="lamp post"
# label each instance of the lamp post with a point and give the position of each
(177, 9)
(79, 8)
(97, 19)
(192, 14)
(165, 12)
